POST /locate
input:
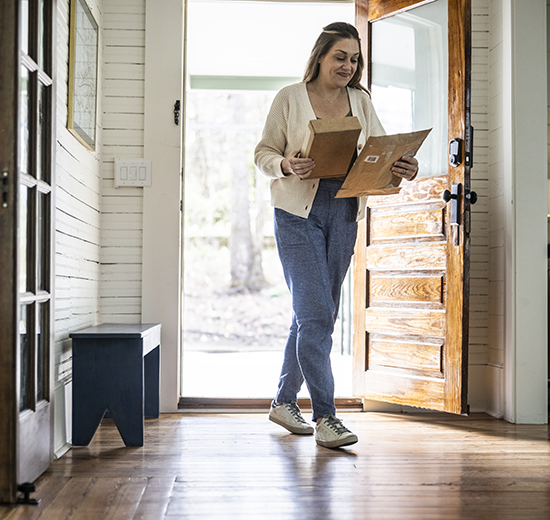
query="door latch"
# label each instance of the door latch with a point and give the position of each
(469, 152)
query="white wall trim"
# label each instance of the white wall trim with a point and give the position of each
(525, 187)
(161, 201)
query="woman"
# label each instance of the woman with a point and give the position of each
(315, 233)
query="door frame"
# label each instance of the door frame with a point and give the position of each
(161, 264)
(519, 227)
(9, 110)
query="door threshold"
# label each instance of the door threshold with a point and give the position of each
(249, 405)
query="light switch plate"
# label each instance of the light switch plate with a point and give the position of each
(132, 172)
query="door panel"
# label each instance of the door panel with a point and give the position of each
(26, 234)
(411, 262)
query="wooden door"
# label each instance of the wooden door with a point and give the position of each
(26, 225)
(412, 254)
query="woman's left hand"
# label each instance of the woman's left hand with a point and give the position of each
(406, 168)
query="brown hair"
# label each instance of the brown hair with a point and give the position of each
(327, 39)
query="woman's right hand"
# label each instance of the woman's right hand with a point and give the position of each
(292, 164)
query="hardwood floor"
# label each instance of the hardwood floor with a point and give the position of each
(405, 466)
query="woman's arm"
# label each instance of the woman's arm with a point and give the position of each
(270, 151)
(273, 154)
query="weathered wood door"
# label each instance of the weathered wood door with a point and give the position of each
(411, 261)
(26, 236)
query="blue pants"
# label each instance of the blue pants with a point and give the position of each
(315, 253)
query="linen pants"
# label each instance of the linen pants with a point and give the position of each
(315, 253)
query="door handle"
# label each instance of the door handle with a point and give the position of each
(453, 197)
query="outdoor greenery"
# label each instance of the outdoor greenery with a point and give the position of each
(227, 199)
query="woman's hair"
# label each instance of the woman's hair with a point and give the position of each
(331, 34)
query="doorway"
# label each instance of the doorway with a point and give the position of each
(237, 308)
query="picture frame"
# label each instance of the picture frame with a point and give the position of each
(83, 66)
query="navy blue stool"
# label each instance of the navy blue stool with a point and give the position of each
(116, 369)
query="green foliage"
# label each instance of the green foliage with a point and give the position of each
(215, 122)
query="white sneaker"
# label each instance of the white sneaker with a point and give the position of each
(288, 416)
(331, 433)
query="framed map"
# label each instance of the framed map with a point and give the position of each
(83, 45)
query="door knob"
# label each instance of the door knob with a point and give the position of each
(471, 197)
(447, 196)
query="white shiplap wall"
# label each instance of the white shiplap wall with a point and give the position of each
(479, 258)
(497, 211)
(123, 120)
(77, 235)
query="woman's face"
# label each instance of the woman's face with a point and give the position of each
(338, 65)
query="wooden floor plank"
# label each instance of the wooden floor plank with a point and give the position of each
(6, 511)
(99, 499)
(155, 499)
(126, 499)
(241, 466)
(47, 490)
(69, 498)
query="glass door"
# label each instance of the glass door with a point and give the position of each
(26, 158)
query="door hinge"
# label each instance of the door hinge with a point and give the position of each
(5, 187)
(177, 108)
(469, 155)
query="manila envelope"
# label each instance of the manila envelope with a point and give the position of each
(371, 173)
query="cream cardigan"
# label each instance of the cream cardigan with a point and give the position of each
(285, 131)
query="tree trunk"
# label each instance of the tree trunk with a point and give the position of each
(246, 260)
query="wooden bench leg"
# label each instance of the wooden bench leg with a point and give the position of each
(85, 422)
(108, 376)
(151, 367)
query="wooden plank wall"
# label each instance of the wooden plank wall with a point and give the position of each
(123, 118)
(77, 234)
(497, 212)
(479, 267)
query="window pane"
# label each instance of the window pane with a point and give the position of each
(42, 254)
(42, 134)
(24, 122)
(42, 358)
(409, 79)
(23, 237)
(25, 359)
(39, 132)
(24, 25)
(41, 36)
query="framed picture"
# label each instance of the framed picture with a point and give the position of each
(82, 103)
